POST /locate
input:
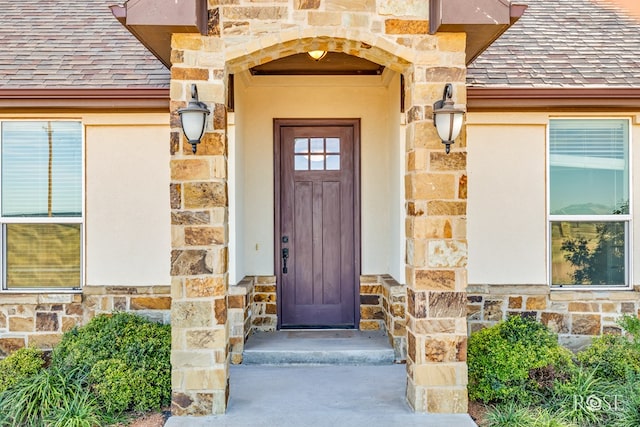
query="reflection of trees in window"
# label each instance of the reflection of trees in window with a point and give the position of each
(604, 262)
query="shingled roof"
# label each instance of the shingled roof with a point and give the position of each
(563, 43)
(58, 44)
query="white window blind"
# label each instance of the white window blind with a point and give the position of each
(41, 169)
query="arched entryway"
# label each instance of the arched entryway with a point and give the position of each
(371, 104)
(395, 149)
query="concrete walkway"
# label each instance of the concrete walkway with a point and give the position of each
(319, 396)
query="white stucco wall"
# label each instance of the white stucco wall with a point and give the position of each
(506, 203)
(235, 188)
(127, 216)
(261, 99)
(507, 230)
(397, 210)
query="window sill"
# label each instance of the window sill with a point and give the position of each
(598, 294)
(40, 297)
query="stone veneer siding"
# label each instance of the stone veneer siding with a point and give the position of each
(372, 314)
(40, 319)
(393, 33)
(383, 304)
(252, 308)
(394, 304)
(263, 308)
(575, 315)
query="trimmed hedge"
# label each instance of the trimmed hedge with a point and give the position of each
(503, 360)
(20, 364)
(126, 359)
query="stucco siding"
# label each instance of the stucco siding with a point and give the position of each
(127, 199)
(506, 205)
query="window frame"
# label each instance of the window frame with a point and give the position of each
(626, 219)
(80, 220)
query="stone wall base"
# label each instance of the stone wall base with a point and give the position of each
(383, 304)
(575, 315)
(40, 319)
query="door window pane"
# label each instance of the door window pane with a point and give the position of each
(333, 145)
(301, 145)
(317, 162)
(301, 162)
(333, 163)
(317, 145)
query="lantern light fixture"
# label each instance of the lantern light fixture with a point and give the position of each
(193, 119)
(446, 118)
(317, 55)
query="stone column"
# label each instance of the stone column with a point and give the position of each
(436, 191)
(199, 224)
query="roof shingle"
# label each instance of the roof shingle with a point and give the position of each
(563, 43)
(59, 44)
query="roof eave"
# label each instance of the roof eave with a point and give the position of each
(488, 99)
(148, 99)
(153, 22)
(483, 21)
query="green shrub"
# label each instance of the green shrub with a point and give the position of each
(509, 415)
(126, 357)
(584, 398)
(78, 410)
(627, 403)
(503, 358)
(631, 325)
(33, 398)
(614, 357)
(517, 415)
(113, 382)
(543, 417)
(20, 364)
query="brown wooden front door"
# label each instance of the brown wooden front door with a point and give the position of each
(317, 222)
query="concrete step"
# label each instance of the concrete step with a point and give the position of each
(318, 347)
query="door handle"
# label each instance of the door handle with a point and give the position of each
(285, 256)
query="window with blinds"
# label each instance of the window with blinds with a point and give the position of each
(41, 204)
(589, 202)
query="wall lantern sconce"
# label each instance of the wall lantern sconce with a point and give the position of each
(446, 118)
(193, 119)
(317, 55)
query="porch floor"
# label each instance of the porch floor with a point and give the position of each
(318, 347)
(323, 378)
(322, 396)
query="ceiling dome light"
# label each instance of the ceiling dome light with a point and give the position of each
(317, 55)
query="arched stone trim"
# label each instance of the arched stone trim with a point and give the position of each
(396, 58)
